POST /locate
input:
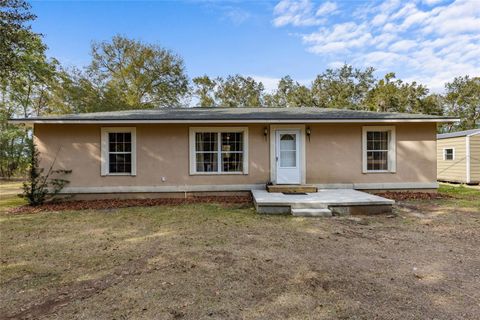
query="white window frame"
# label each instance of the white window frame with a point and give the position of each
(392, 154)
(192, 133)
(453, 153)
(105, 152)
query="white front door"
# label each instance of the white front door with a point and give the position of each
(287, 148)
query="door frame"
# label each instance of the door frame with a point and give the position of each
(273, 150)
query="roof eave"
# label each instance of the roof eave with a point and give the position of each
(174, 121)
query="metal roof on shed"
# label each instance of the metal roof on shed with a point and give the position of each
(458, 134)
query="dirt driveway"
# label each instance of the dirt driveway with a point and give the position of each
(217, 262)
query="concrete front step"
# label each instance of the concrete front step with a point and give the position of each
(309, 205)
(309, 212)
(292, 188)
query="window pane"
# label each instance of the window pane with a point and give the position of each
(112, 137)
(377, 150)
(206, 162)
(120, 163)
(287, 142)
(288, 159)
(206, 141)
(377, 140)
(377, 160)
(120, 142)
(232, 162)
(120, 148)
(448, 154)
(232, 141)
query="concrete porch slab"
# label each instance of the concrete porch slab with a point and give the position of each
(266, 202)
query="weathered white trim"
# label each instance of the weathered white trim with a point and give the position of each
(104, 150)
(269, 121)
(380, 186)
(245, 187)
(392, 152)
(453, 152)
(193, 130)
(303, 158)
(467, 158)
(147, 189)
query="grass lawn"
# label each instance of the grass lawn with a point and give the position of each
(215, 262)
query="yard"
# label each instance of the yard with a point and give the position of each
(214, 261)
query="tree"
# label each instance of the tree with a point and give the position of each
(462, 99)
(25, 94)
(74, 92)
(393, 95)
(239, 91)
(16, 36)
(137, 75)
(342, 88)
(204, 90)
(288, 94)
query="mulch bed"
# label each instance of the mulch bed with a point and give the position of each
(408, 195)
(125, 203)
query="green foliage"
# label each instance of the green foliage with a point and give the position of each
(393, 95)
(204, 90)
(13, 160)
(237, 91)
(23, 93)
(41, 187)
(342, 88)
(289, 93)
(233, 92)
(124, 74)
(462, 99)
(15, 35)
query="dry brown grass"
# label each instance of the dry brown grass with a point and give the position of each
(208, 261)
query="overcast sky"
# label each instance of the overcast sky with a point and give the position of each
(430, 41)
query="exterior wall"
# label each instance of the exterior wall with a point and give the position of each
(333, 156)
(162, 151)
(475, 158)
(452, 170)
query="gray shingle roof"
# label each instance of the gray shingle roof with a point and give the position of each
(232, 114)
(458, 134)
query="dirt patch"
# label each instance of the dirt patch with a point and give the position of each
(84, 289)
(211, 261)
(117, 203)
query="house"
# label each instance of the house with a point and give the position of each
(220, 150)
(458, 156)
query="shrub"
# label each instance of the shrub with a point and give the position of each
(42, 187)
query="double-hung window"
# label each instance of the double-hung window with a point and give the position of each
(218, 150)
(378, 144)
(118, 151)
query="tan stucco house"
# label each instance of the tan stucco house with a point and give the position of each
(238, 149)
(458, 156)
